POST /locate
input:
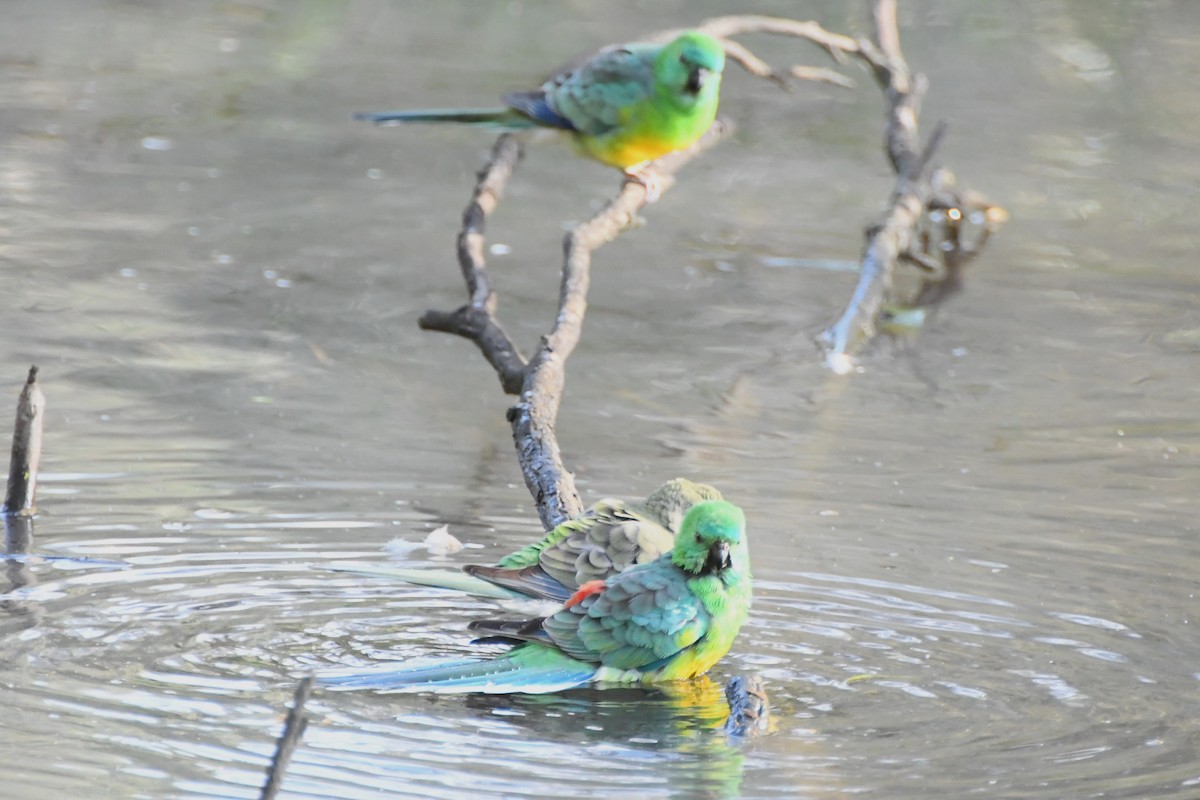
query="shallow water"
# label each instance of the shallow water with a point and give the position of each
(975, 561)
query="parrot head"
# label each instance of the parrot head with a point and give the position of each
(710, 539)
(689, 68)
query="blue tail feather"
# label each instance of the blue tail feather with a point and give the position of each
(492, 117)
(530, 581)
(529, 670)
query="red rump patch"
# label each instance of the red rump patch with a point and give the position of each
(586, 590)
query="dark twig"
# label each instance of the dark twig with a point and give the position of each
(540, 381)
(477, 319)
(953, 214)
(293, 729)
(26, 448)
(19, 506)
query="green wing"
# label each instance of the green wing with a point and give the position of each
(597, 96)
(642, 619)
(609, 538)
(529, 555)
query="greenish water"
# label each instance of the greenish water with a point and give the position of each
(219, 275)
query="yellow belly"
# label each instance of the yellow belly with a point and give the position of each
(626, 152)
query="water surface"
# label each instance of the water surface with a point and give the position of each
(975, 561)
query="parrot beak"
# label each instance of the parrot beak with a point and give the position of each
(696, 79)
(718, 557)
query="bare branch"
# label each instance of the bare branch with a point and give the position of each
(742, 55)
(822, 75)
(723, 28)
(533, 416)
(540, 381)
(477, 319)
(835, 44)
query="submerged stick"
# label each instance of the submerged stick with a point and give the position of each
(887, 244)
(749, 707)
(293, 729)
(26, 448)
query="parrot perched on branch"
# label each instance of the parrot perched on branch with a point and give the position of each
(625, 106)
(668, 620)
(608, 538)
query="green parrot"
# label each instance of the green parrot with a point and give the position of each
(625, 106)
(608, 538)
(671, 619)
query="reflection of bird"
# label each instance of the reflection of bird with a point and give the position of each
(625, 106)
(610, 537)
(667, 620)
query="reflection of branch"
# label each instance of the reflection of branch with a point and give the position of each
(539, 381)
(26, 448)
(896, 237)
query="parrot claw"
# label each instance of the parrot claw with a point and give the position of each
(646, 176)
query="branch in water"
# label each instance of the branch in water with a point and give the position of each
(897, 236)
(26, 448)
(289, 739)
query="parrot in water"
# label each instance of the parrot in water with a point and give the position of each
(608, 538)
(625, 106)
(671, 619)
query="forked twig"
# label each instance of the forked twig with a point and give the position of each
(539, 381)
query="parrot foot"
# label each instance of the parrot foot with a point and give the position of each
(646, 176)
